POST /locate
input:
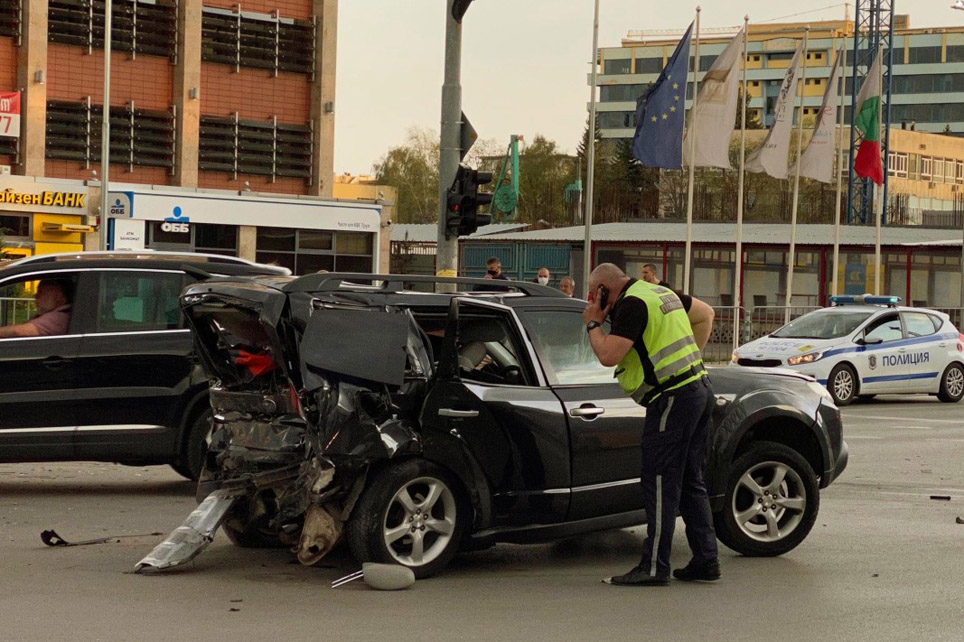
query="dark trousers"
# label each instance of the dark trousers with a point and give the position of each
(674, 447)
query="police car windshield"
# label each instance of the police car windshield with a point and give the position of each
(822, 324)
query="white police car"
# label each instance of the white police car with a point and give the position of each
(867, 345)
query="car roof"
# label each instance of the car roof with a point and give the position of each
(212, 263)
(878, 308)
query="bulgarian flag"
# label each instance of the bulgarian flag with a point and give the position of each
(867, 121)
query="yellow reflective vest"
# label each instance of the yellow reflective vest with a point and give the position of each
(672, 359)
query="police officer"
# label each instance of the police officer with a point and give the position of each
(658, 363)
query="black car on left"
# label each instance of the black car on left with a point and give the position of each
(122, 383)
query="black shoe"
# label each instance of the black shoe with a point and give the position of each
(692, 572)
(637, 577)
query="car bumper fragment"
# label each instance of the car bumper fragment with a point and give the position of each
(192, 537)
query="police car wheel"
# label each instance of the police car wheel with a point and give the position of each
(414, 514)
(842, 384)
(952, 384)
(771, 501)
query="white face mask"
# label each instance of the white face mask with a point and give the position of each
(543, 280)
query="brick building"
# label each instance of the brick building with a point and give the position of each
(216, 109)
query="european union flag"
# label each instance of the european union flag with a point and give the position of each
(661, 111)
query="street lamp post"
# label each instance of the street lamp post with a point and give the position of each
(105, 133)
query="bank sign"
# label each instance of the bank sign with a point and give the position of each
(10, 114)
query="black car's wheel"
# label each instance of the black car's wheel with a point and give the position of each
(842, 384)
(952, 384)
(411, 514)
(772, 500)
(195, 447)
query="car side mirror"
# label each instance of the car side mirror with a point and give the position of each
(869, 342)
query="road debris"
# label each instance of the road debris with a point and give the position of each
(51, 538)
(382, 577)
(941, 498)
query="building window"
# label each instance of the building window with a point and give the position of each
(10, 18)
(926, 168)
(649, 65)
(959, 172)
(139, 137)
(913, 167)
(620, 66)
(200, 237)
(137, 26)
(254, 147)
(897, 165)
(616, 119)
(14, 225)
(307, 251)
(620, 93)
(924, 55)
(257, 40)
(938, 176)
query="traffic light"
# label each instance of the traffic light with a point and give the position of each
(463, 201)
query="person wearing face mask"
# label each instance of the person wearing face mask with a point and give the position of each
(493, 273)
(543, 276)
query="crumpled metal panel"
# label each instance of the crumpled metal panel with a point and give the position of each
(359, 426)
(193, 536)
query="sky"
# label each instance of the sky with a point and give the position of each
(525, 63)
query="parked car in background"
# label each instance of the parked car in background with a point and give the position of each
(123, 383)
(414, 424)
(867, 345)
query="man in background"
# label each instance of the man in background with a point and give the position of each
(568, 286)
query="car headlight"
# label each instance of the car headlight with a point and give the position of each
(821, 391)
(734, 358)
(805, 358)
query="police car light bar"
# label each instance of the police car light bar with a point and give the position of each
(865, 299)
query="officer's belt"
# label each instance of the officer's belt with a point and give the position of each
(675, 380)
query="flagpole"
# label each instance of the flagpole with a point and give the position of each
(691, 134)
(796, 181)
(842, 53)
(880, 188)
(591, 154)
(738, 276)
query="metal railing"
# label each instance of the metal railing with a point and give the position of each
(16, 310)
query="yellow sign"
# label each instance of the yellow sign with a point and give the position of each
(47, 199)
(66, 227)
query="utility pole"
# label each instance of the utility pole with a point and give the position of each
(447, 258)
(105, 134)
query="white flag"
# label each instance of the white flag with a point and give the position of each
(715, 111)
(817, 160)
(772, 157)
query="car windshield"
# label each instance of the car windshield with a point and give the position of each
(822, 324)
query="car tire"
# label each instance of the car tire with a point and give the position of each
(195, 446)
(748, 525)
(842, 385)
(952, 384)
(246, 531)
(378, 529)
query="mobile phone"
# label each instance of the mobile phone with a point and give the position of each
(603, 296)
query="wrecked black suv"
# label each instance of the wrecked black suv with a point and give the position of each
(414, 424)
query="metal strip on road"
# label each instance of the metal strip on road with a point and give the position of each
(851, 416)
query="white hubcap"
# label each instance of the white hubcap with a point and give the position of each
(420, 521)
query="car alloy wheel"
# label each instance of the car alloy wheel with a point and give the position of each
(420, 521)
(770, 501)
(952, 384)
(772, 497)
(842, 385)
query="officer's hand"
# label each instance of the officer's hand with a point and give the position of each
(593, 312)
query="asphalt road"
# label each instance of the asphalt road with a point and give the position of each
(884, 562)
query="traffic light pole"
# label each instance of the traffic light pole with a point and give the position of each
(446, 260)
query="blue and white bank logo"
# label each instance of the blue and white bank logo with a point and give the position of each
(177, 223)
(118, 208)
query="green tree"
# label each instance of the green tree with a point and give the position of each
(544, 172)
(752, 117)
(412, 168)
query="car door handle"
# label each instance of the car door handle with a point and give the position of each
(55, 363)
(587, 411)
(902, 350)
(458, 414)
